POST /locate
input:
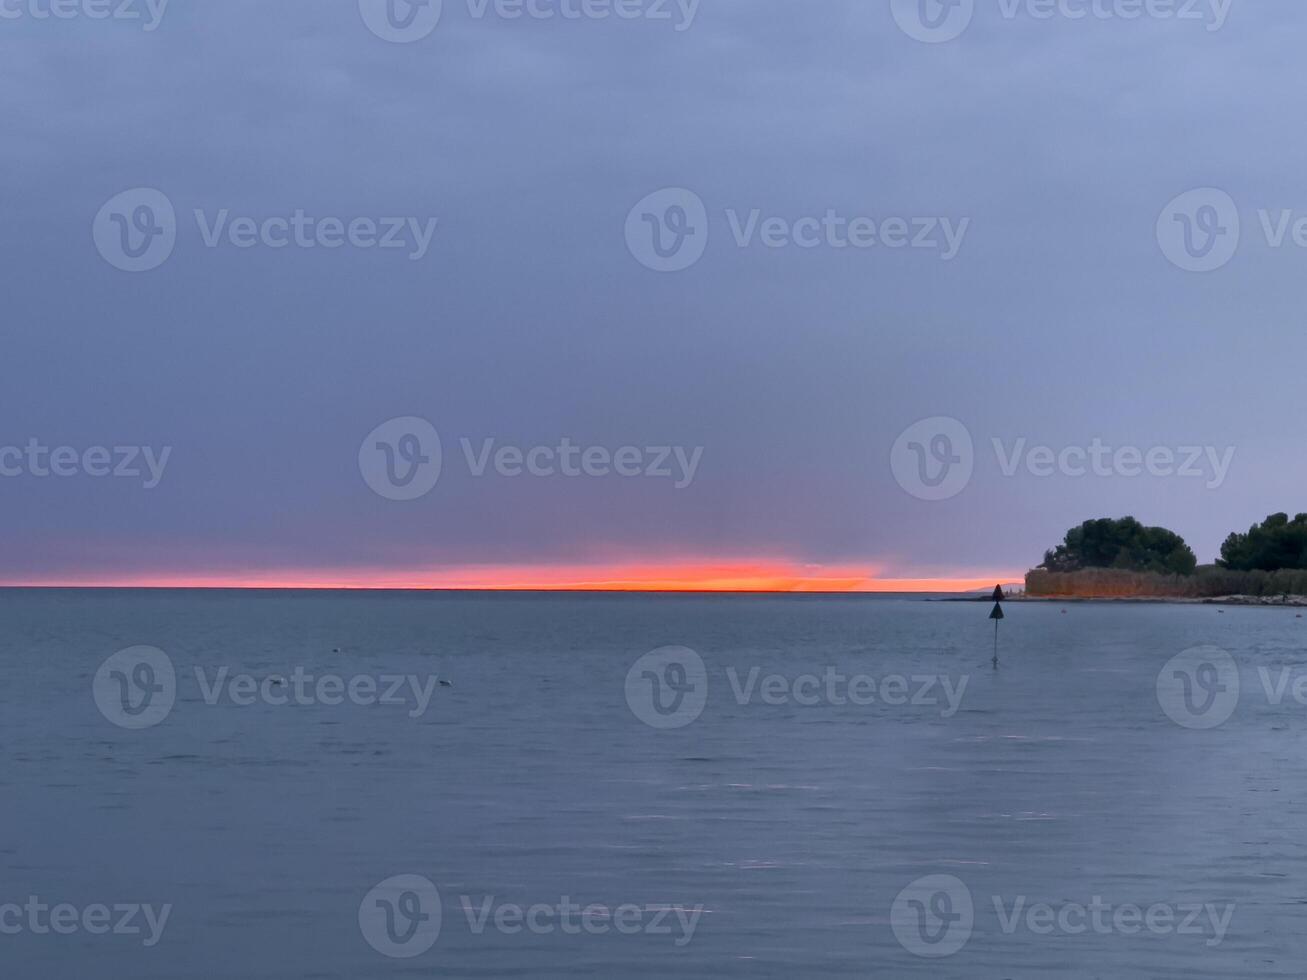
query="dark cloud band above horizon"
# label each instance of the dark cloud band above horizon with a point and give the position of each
(902, 289)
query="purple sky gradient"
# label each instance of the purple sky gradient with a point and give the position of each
(1059, 321)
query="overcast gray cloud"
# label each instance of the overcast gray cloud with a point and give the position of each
(1049, 144)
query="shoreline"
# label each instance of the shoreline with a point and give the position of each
(1283, 602)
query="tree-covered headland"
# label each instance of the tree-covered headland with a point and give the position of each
(1120, 558)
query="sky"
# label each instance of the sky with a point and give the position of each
(855, 294)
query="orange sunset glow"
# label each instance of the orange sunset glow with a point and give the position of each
(685, 576)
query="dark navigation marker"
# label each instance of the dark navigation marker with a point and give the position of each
(996, 616)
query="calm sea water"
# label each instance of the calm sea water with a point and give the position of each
(768, 837)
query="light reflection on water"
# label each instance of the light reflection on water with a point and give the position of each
(794, 827)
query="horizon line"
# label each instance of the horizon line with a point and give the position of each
(524, 590)
(691, 576)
